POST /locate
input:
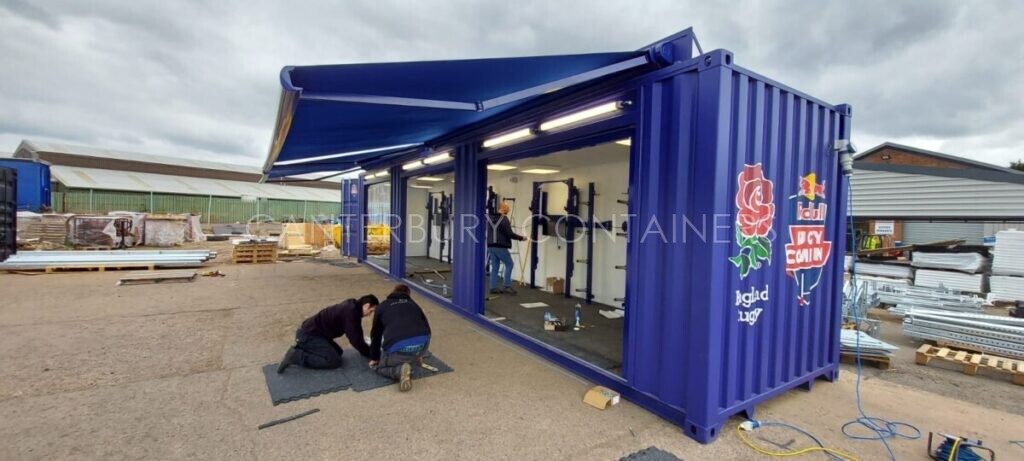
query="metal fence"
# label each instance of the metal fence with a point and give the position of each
(211, 209)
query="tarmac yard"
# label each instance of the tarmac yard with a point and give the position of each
(92, 370)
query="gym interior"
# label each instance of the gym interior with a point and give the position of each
(377, 227)
(569, 278)
(428, 231)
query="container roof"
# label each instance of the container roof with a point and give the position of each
(95, 178)
(335, 117)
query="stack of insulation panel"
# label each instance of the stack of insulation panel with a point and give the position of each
(1008, 267)
(893, 271)
(970, 263)
(959, 281)
(994, 334)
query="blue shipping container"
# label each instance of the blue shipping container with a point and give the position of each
(715, 325)
(33, 183)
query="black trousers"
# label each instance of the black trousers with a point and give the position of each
(317, 351)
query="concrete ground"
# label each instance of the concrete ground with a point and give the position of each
(93, 370)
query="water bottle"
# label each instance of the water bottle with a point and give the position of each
(579, 316)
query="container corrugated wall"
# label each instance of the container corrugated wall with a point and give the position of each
(751, 307)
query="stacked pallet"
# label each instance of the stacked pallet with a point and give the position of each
(254, 252)
(1008, 267)
(999, 335)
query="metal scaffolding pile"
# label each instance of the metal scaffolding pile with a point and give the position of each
(910, 297)
(869, 346)
(41, 260)
(998, 335)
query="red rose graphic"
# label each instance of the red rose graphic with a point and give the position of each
(754, 202)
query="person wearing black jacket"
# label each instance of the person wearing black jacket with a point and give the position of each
(400, 336)
(499, 240)
(314, 340)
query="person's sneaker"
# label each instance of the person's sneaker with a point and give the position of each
(405, 382)
(495, 291)
(509, 290)
(290, 358)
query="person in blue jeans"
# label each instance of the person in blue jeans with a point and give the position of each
(400, 337)
(499, 240)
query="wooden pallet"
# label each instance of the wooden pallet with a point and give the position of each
(254, 253)
(971, 361)
(139, 278)
(883, 363)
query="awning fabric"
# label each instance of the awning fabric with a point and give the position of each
(333, 117)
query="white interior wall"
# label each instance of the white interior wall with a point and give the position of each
(608, 167)
(416, 216)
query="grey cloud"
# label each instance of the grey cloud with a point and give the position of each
(200, 78)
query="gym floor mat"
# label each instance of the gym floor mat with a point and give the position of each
(650, 454)
(297, 383)
(364, 378)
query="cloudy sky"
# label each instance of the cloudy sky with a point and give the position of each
(200, 79)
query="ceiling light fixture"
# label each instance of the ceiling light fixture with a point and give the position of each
(439, 158)
(419, 186)
(624, 142)
(430, 178)
(509, 137)
(577, 117)
(413, 165)
(540, 169)
(500, 167)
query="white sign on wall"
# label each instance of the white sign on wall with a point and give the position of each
(885, 227)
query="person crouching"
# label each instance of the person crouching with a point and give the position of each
(314, 340)
(400, 336)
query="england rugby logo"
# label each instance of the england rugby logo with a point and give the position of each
(754, 218)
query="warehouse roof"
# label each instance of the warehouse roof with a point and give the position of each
(943, 165)
(38, 147)
(95, 178)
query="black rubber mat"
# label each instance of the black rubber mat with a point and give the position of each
(364, 378)
(297, 383)
(650, 454)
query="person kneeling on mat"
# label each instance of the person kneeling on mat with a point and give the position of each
(499, 240)
(400, 337)
(314, 340)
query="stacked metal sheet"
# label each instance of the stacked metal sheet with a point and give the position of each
(963, 262)
(1005, 288)
(39, 260)
(973, 283)
(906, 298)
(850, 340)
(896, 271)
(998, 335)
(1009, 253)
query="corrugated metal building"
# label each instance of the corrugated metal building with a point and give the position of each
(926, 196)
(91, 180)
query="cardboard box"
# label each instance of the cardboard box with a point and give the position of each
(600, 397)
(555, 285)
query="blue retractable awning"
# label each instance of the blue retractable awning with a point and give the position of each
(333, 117)
(336, 117)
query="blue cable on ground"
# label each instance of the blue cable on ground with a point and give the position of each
(883, 429)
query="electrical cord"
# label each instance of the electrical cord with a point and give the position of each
(751, 425)
(884, 429)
